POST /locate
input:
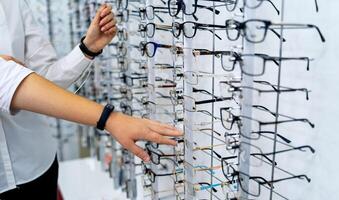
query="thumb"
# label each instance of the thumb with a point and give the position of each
(139, 152)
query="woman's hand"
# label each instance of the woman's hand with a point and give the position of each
(128, 130)
(10, 58)
(102, 29)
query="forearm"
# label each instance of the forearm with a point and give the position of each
(38, 95)
(62, 72)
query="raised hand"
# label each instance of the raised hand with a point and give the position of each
(102, 29)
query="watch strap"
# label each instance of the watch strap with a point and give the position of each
(86, 51)
(108, 109)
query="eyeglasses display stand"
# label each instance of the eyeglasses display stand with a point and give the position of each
(188, 127)
(215, 69)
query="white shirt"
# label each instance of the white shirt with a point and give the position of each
(10, 78)
(27, 149)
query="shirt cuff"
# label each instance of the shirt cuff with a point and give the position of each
(12, 80)
(81, 62)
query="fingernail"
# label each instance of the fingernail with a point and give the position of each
(103, 29)
(147, 159)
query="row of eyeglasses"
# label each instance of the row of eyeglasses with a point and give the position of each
(124, 81)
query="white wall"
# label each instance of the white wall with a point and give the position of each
(322, 109)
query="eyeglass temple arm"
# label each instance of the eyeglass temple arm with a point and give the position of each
(136, 12)
(228, 158)
(209, 186)
(262, 182)
(270, 132)
(287, 121)
(195, 90)
(160, 8)
(211, 31)
(303, 176)
(277, 34)
(206, 26)
(209, 114)
(296, 26)
(204, 167)
(202, 52)
(217, 12)
(163, 27)
(170, 155)
(258, 90)
(218, 99)
(209, 129)
(165, 46)
(300, 148)
(319, 32)
(284, 89)
(292, 119)
(264, 156)
(160, 19)
(276, 59)
(259, 107)
(167, 174)
(218, 155)
(275, 8)
(316, 5)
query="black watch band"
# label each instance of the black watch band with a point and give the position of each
(86, 51)
(104, 116)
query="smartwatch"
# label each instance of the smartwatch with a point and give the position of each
(86, 51)
(104, 116)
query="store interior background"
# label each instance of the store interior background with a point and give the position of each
(322, 79)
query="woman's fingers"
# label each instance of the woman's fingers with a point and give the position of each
(164, 125)
(137, 151)
(107, 10)
(108, 26)
(112, 30)
(106, 19)
(159, 139)
(165, 129)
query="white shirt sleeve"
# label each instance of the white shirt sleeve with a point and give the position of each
(11, 75)
(41, 57)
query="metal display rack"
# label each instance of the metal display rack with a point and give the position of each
(187, 83)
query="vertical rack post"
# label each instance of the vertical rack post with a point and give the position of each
(246, 108)
(188, 126)
(151, 95)
(278, 95)
(131, 181)
(114, 165)
(213, 107)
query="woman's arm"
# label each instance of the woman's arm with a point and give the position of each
(38, 95)
(41, 57)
